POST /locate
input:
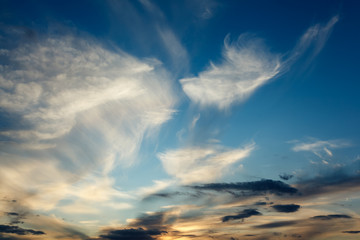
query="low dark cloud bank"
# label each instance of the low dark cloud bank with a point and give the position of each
(18, 230)
(265, 185)
(132, 234)
(244, 214)
(277, 224)
(331, 216)
(288, 208)
(351, 232)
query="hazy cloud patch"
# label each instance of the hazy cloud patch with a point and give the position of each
(201, 164)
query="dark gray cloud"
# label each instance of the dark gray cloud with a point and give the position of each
(331, 216)
(286, 176)
(150, 221)
(12, 214)
(260, 203)
(3, 237)
(351, 232)
(244, 214)
(169, 195)
(332, 182)
(287, 208)
(265, 185)
(277, 224)
(19, 231)
(132, 234)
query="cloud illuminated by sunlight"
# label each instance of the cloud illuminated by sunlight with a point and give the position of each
(201, 164)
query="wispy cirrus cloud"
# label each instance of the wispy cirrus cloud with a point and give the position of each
(201, 164)
(84, 110)
(247, 65)
(320, 147)
(313, 40)
(170, 41)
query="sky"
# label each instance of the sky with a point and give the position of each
(191, 119)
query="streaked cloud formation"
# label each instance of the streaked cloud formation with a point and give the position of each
(145, 120)
(246, 66)
(320, 147)
(83, 110)
(201, 164)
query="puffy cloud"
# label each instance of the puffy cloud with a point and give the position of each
(201, 164)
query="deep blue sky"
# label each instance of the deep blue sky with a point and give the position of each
(179, 119)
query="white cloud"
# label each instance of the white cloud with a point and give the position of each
(246, 66)
(194, 121)
(320, 147)
(201, 164)
(67, 81)
(175, 49)
(85, 109)
(157, 186)
(314, 38)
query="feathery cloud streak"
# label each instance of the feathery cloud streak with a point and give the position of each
(320, 147)
(201, 164)
(247, 65)
(84, 109)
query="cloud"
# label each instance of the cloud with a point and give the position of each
(351, 232)
(285, 176)
(313, 40)
(147, 226)
(277, 224)
(62, 81)
(175, 49)
(81, 109)
(287, 208)
(265, 185)
(331, 183)
(331, 216)
(156, 187)
(131, 234)
(150, 221)
(201, 164)
(54, 227)
(320, 147)
(169, 40)
(18, 230)
(246, 66)
(244, 214)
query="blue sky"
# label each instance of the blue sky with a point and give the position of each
(179, 120)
